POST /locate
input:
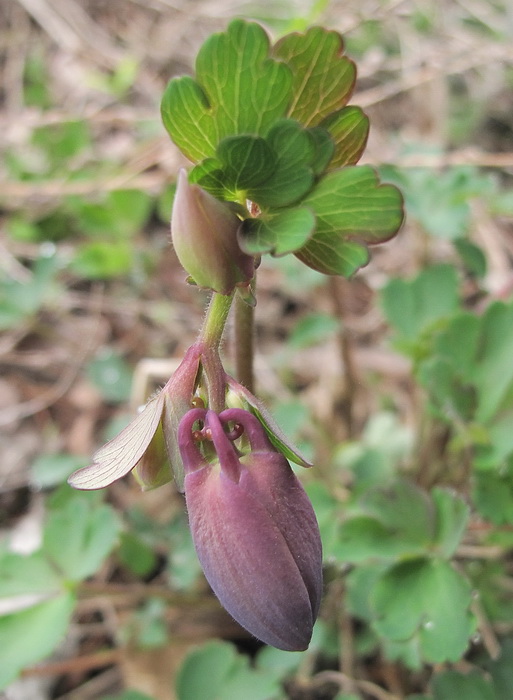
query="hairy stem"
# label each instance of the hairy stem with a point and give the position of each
(215, 320)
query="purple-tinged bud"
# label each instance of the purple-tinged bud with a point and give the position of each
(253, 527)
(204, 233)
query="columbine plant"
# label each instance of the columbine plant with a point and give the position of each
(274, 147)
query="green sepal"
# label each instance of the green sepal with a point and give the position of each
(275, 434)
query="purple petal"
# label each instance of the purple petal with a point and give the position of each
(248, 561)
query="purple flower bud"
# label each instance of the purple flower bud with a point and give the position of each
(204, 233)
(253, 527)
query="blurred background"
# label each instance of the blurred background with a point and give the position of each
(94, 312)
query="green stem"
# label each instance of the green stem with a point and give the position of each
(215, 320)
(210, 337)
(244, 346)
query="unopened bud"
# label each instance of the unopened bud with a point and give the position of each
(204, 233)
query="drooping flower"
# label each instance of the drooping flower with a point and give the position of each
(204, 234)
(253, 526)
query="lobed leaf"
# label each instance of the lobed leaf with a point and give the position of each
(349, 130)
(352, 209)
(322, 77)
(238, 89)
(427, 599)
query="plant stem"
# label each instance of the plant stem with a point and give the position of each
(244, 346)
(215, 320)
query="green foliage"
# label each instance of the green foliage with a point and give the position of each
(216, 671)
(270, 124)
(39, 589)
(471, 686)
(31, 634)
(440, 202)
(412, 307)
(21, 299)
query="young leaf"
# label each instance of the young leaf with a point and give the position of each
(238, 89)
(278, 234)
(350, 205)
(349, 129)
(295, 150)
(247, 161)
(323, 78)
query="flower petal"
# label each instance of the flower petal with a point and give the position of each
(247, 561)
(120, 455)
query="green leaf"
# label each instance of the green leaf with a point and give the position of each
(216, 671)
(472, 257)
(238, 89)
(78, 536)
(103, 260)
(349, 129)
(183, 564)
(279, 233)
(312, 330)
(493, 495)
(28, 636)
(324, 149)
(350, 205)
(323, 78)
(501, 670)
(427, 599)
(494, 367)
(452, 514)
(295, 150)
(327, 511)
(136, 555)
(390, 521)
(449, 685)
(25, 575)
(247, 161)
(210, 176)
(53, 469)
(411, 305)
